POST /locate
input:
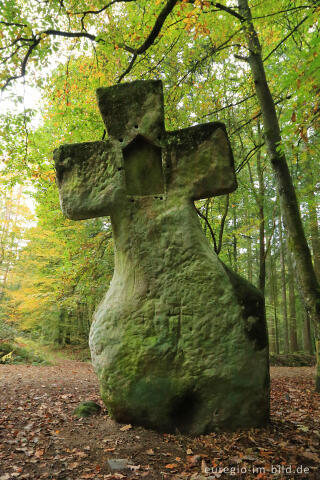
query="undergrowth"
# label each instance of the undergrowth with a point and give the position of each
(13, 353)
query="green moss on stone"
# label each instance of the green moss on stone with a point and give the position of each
(86, 409)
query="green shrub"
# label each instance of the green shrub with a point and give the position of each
(11, 353)
(7, 331)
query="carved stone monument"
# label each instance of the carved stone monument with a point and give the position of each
(179, 341)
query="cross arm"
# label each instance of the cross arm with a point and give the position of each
(89, 178)
(201, 161)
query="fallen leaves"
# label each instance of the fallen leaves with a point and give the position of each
(41, 439)
(310, 456)
(170, 466)
(39, 452)
(194, 460)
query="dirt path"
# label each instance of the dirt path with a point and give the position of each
(41, 439)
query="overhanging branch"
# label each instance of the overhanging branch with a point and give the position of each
(165, 12)
(286, 37)
(35, 41)
(70, 34)
(96, 12)
(24, 64)
(229, 10)
(210, 228)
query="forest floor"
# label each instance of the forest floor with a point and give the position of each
(41, 439)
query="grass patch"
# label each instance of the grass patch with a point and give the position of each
(68, 352)
(53, 353)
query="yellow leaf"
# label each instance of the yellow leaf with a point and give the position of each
(6, 357)
(126, 427)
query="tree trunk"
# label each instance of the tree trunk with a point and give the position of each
(289, 204)
(249, 258)
(206, 214)
(259, 197)
(284, 291)
(274, 293)
(307, 341)
(234, 242)
(292, 307)
(314, 232)
(262, 247)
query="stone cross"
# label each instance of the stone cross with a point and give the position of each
(179, 341)
(141, 159)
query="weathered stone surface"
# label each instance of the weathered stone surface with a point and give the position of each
(179, 341)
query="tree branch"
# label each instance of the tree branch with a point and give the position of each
(35, 42)
(213, 50)
(96, 12)
(11, 55)
(17, 40)
(167, 9)
(230, 105)
(164, 56)
(287, 97)
(70, 34)
(240, 57)
(210, 228)
(12, 24)
(129, 68)
(24, 64)
(249, 155)
(165, 12)
(286, 37)
(283, 11)
(229, 10)
(222, 224)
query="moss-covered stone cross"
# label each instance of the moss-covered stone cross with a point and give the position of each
(179, 341)
(141, 159)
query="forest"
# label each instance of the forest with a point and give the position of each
(253, 65)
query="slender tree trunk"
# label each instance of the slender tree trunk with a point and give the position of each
(9, 251)
(234, 242)
(307, 341)
(289, 204)
(310, 183)
(230, 255)
(284, 291)
(262, 246)
(314, 232)
(274, 292)
(5, 227)
(4, 282)
(292, 307)
(206, 214)
(249, 258)
(271, 323)
(259, 197)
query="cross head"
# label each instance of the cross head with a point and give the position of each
(140, 158)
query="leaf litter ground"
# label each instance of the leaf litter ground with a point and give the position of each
(41, 439)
